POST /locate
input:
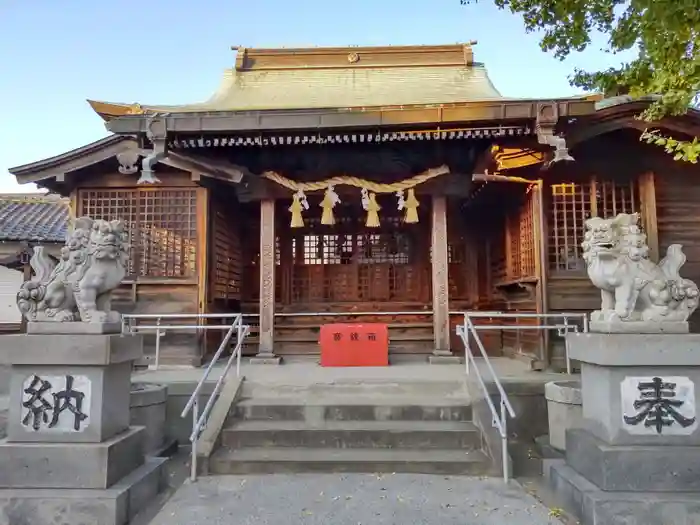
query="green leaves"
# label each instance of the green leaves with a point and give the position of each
(665, 34)
(686, 151)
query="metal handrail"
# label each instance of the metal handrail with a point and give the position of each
(562, 328)
(199, 420)
(128, 326)
(499, 419)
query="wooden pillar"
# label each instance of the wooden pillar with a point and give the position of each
(647, 196)
(439, 266)
(266, 353)
(541, 268)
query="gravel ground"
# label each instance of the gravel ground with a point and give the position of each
(352, 499)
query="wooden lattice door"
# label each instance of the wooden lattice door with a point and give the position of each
(350, 263)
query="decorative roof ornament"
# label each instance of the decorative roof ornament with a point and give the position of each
(135, 109)
(353, 58)
(547, 119)
(128, 161)
(156, 131)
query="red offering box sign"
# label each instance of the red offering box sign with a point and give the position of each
(354, 344)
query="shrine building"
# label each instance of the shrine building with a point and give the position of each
(320, 183)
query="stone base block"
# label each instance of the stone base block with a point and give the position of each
(633, 468)
(639, 327)
(266, 359)
(445, 359)
(116, 505)
(620, 371)
(98, 397)
(71, 465)
(73, 328)
(67, 349)
(594, 506)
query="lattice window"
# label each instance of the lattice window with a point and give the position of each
(161, 223)
(526, 237)
(111, 205)
(520, 241)
(616, 197)
(514, 265)
(572, 204)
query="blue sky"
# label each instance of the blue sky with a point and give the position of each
(54, 54)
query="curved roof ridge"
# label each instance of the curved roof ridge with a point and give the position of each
(314, 88)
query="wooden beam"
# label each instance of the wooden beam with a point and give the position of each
(439, 266)
(647, 196)
(266, 351)
(208, 167)
(201, 255)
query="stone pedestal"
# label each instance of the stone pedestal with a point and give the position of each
(70, 450)
(636, 457)
(563, 410)
(148, 409)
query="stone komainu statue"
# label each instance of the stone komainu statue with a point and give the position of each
(78, 288)
(633, 288)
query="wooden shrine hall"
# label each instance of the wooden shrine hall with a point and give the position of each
(320, 183)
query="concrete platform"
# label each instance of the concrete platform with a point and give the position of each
(352, 499)
(303, 372)
(71, 465)
(597, 507)
(116, 505)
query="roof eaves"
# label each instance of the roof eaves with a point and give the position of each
(68, 155)
(294, 118)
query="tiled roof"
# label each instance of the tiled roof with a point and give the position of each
(38, 218)
(339, 88)
(323, 78)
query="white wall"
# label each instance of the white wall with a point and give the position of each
(10, 281)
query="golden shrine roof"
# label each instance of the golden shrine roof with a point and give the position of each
(348, 77)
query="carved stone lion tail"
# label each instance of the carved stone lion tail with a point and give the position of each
(673, 262)
(32, 292)
(29, 296)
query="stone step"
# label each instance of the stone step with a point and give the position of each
(354, 435)
(294, 460)
(353, 409)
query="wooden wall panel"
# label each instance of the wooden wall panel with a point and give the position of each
(678, 213)
(225, 255)
(571, 294)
